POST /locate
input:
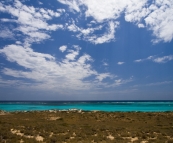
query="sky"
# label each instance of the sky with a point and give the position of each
(86, 50)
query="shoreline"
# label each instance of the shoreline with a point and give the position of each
(80, 110)
(86, 126)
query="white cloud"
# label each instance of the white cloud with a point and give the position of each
(44, 69)
(102, 76)
(72, 55)
(73, 28)
(99, 14)
(154, 84)
(145, 59)
(6, 33)
(150, 57)
(18, 42)
(89, 35)
(54, 27)
(141, 25)
(160, 21)
(82, 32)
(105, 64)
(120, 63)
(61, 10)
(45, 72)
(73, 4)
(139, 60)
(63, 48)
(106, 37)
(8, 83)
(34, 34)
(136, 10)
(103, 10)
(158, 83)
(163, 59)
(32, 22)
(155, 59)
(7, 20)
(119, 82)
(156, 16)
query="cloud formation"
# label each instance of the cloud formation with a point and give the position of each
(155, 59)
(86, 23)
(155, 15)
(63, 48)
(6, 33)
(88, 34)
(158, 83)
(74, 72)
(160, 20)
(120, 63)
(154, 84)
(34, 23)
(31, 21)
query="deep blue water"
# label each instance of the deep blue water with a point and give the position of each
(124, 106)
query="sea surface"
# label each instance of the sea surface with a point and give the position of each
(108, 106)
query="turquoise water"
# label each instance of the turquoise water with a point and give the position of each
(124, 106)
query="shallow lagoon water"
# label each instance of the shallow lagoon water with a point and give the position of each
(108, 106)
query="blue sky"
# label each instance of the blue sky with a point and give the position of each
(86, 50)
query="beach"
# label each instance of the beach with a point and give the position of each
(71, 126)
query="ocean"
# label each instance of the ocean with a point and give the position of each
(108, 106)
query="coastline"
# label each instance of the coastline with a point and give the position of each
(86, 126)
(108, 106)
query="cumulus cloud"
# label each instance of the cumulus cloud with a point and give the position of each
(43, 68)
(107, 10)
(160, 21)
(63, 48)
(156, 16)
(32, 22)
(73, 72)
(88, 34)
(156, 59)
(136, 10)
